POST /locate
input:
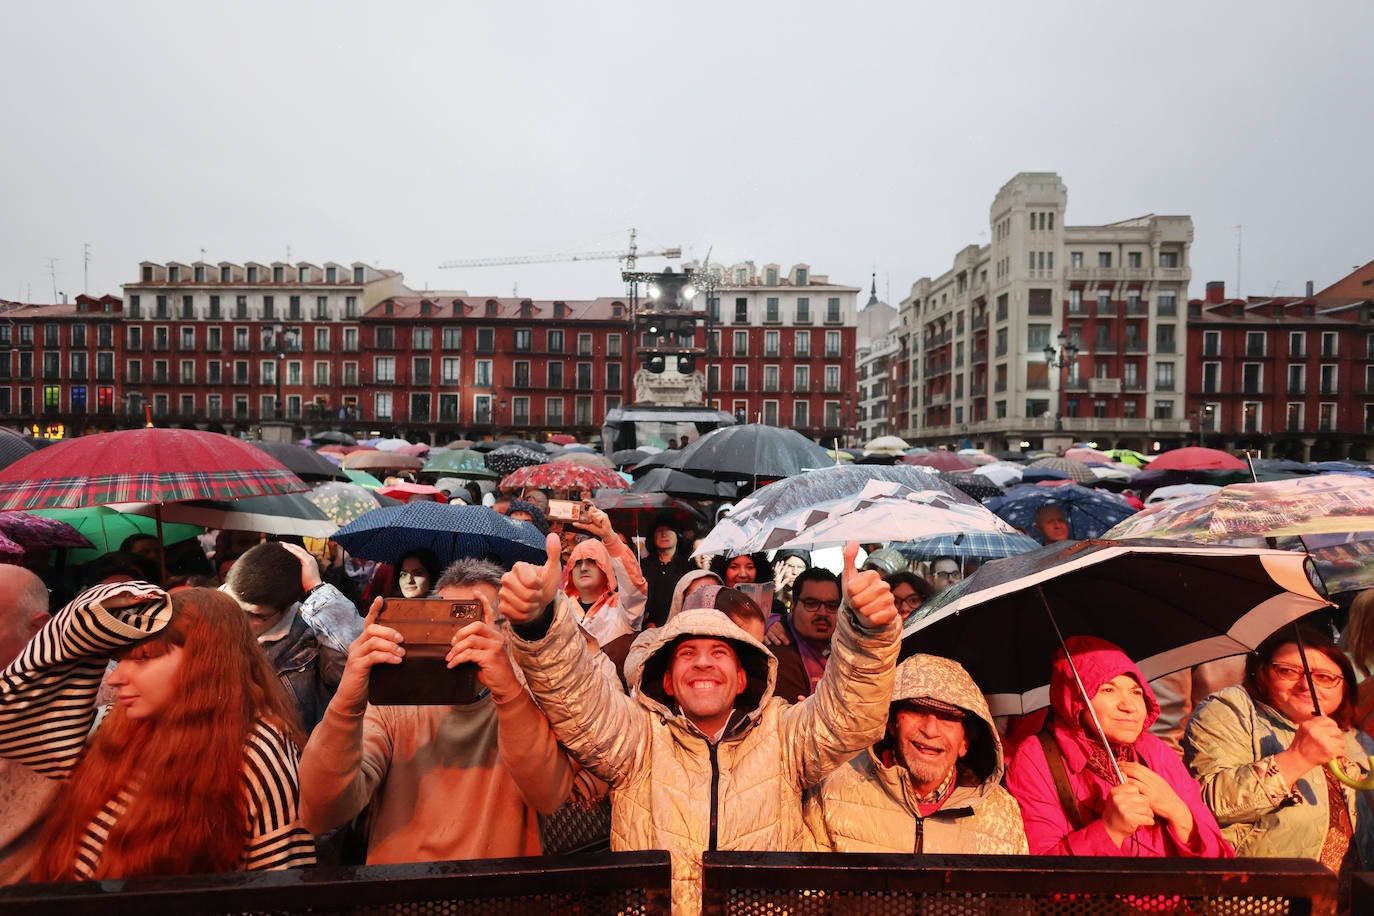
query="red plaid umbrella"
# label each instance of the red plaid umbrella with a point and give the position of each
(563, 475)
(143, 466)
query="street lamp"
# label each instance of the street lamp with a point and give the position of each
(1061, 357)
(285, 341)
(1204, 418)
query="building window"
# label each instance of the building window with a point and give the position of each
(553, 411)
(1164, 410)
(1297, 344)
(448, 408)
(801, 414)
(1251, 416)
(1104, 259)
(1293, 417)
(1164, 376)
(801, 344)
(382, 405)
(1168, 259)
(582, 410)
(613, 342)
(1075, 301)
(419, 370)
(832, 414)
(555, 375)
(1166, 304)
(832, 378)
(613, 377)
(740, 379)
(384, 370)
(1211, 378)
(1328, 378)
(742, 310)
(1211, 343)
(1255, 343)
(1164, 338)
(1252, 378)
(520, 410)
(1326, 417)
(770, 310)
(770, 344)
(422, 338)
(801, 378)
(555, 341)
(832, 344)
(584, 345)
(741, 347)
(1296, 380)
(832, 309)
(1328, 344)
(1104, 303)
(584, 376)
(803, 310)
(523, 337)
(350, 340)
(770, 378)
(481, 375)
(1133, 259)
(451, 369)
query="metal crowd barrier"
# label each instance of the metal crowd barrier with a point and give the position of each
(631, 883)
(830, 884)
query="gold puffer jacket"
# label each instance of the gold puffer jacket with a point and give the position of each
(868, 806)
(671, 788)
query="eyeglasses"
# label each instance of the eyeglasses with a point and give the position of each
(910, 602)
(1288, 674)
(948, 574)
(813, 605)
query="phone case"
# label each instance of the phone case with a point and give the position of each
(422, 678)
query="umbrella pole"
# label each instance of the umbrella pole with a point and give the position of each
(1307, 670)
(1087, 700)
(161, 547)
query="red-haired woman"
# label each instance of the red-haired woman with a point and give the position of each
(192, 770)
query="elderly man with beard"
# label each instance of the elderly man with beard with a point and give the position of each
(932, 784)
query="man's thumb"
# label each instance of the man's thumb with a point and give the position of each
(553, 546)
(851, 553)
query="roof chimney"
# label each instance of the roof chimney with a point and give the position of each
(1309, 289)
(1216, 292)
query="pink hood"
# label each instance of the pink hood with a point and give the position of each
(1098, 661)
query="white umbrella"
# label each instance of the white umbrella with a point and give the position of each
(1001, 473)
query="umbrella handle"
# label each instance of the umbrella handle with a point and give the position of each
(1358, 785)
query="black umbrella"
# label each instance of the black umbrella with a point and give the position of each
(12, 447)
(752, 450)
(510, 458)
(630, 510)
(676, 483)
(629, 457)
(452, 532)
(332, 437)
(490, 445)
(305, 464)
(1167, 605)
(975, 485)
(662, 460)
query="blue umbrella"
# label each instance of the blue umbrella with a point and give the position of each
(1090, 512)
(969, 545)
(452, 532)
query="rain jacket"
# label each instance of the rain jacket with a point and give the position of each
(1048, 829)
(671, 787)
(620, 608)
(1227, 743)
(869, 806)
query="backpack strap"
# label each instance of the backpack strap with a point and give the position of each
(1054, 756)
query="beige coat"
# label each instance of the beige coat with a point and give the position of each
(868, 806)
(671, 788)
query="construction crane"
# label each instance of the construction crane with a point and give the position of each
(629, 257)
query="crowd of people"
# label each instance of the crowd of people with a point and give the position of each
(221, 720)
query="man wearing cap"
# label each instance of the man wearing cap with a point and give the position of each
(662, 567)
(701, 755)
(932, 784)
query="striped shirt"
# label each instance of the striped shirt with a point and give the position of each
(47, 714)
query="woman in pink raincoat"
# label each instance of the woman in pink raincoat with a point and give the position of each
(1064, 781)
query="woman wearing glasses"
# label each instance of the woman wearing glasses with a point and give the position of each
(1259, 750)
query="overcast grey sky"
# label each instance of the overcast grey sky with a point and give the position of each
(851, 136)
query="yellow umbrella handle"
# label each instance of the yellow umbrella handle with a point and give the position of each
(1359, 785)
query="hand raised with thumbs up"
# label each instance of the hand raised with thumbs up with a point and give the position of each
(865, 593)
(529, 588)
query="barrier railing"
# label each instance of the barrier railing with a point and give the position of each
(738, 883)
(632, 883)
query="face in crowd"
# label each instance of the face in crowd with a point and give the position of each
(705, 677)
(946, 572)
(929, 740)
(815, 610)
(740, 569)
(414, 579)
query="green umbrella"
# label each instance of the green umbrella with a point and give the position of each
(460, 462)
(106, 529)
(1127, 456)
(363, 478)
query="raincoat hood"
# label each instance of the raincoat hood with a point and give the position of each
(680, 590)
(652, 653)
(593, 548)
(1098, 661)
(936, 678)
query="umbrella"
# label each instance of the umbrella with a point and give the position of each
(37, 532)
(143, 465)
(629, 509)
(563, 475)
(280, 514)
(1090, 512)
(388, 444)
(491, 445)
(750, 450)
(975, 485)
(404, 490)
(887, 445)
(1194, 458)
(969, 545)
(10, 548)
(562, 439)
(1076, 471)
(589, 459)
(751, 522)
(629, 457)
(106, 529)
(332, 437)
(460, 462)
(306, 464)
(452, 532)
(418, 450)
(374, 460)
(676, 483)
(661, 459)
(343, 502)
(1297, 506)
(1172, 606)
(1280, 469)
(1087, 455)
(363, 479)
(1180, 490)
(941, 461)
(13, 447)
(884, 511)
(1002, 473)
(509, 458)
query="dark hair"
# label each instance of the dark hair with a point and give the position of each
(129, 542)
(267, 575)
(763, 570)
(119, 562)
(738, 606)
(814, 574)
(1313, 642)
(537, 517)
(665, 520)
(922, 587)
(781, 555)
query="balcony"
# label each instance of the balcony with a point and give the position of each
(1105, 386)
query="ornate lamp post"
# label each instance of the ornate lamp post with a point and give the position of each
(1060, 358)
(284, 341)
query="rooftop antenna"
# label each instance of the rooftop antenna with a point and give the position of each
(52, 273)
(86, 268)
(288, 254)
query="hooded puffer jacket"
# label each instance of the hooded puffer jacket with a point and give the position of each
(620, 608)
(671, 787)
(1030, 781)
(869, 806)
